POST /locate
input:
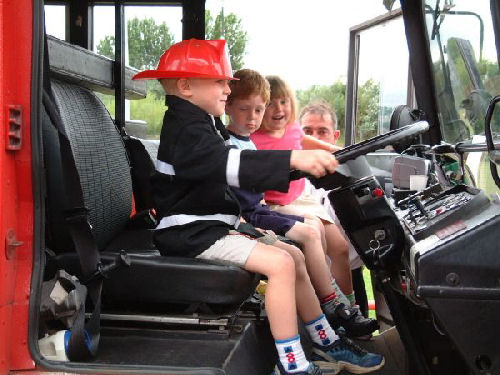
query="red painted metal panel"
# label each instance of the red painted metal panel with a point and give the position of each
(16, 200)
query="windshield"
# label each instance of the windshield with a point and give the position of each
(465, 65)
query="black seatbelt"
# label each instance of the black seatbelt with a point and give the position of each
(84, 339)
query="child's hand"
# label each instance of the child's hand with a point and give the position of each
(315, 162)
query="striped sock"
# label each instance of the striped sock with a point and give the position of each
(352, 299)
(328, 298)
(341, 298)
(321, 332)
(292, 355)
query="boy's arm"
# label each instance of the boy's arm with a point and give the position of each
(311, 143)
(200, 155)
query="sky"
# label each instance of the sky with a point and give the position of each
(304, 45)
(282, 35)
(284, 39)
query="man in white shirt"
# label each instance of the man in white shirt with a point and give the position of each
(318, 120)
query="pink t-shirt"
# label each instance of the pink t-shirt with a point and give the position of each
(291, 140)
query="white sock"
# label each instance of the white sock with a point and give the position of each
(292, 355)
(321, 332)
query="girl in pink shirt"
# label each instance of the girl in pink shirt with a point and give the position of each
(280, 131)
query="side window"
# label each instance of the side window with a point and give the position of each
(150, 31)
(381, 82)
(56, 12)
(466, 71)
(466, 76)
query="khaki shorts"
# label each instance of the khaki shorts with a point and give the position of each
(306, 203)
(234, 248)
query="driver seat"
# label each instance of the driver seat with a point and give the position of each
(103, 166)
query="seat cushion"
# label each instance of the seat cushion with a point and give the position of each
(155, 279)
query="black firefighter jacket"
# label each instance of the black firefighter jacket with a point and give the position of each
(194, 170)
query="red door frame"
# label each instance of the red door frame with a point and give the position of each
(16, 194)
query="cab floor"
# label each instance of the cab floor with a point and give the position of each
(387, 343)
(249, 352)
(390, 346)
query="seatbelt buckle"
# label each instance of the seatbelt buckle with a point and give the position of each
(102, 271)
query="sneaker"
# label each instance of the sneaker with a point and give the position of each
(345, 354)
(311, 370)
(354, 323)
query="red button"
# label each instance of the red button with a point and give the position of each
(377, 192)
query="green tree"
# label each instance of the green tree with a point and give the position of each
(368, 110)
(228, 27)
(106, 47)
(146, 42)
(334, 95)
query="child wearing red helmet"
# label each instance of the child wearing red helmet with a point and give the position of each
(198, 213)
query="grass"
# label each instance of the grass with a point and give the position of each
(150, 109)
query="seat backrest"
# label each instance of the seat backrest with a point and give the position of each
(101, 160)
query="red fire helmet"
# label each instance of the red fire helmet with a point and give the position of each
(192, 58)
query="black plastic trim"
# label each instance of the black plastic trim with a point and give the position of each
(38, 186)
(119, 65)
(458, 292)
(495, 15)
(193, 19)
(421, 66)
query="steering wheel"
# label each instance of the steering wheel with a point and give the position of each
(380, 141)
(372, 144)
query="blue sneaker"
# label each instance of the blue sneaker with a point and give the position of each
(347, 355)
(311, 370)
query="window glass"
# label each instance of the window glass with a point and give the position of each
(465, 65)
(478, 166)
(308, 48)
(55, 20)
(150, 31)
(382, 77)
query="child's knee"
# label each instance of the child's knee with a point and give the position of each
(335, 237)
(298, 257)
(296, 253)
(284, 264)
(316, 222)
(311, 233)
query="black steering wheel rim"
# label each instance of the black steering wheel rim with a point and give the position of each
(380, 141)
(372, 144)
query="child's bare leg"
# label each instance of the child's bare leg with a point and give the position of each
(317, 223)
(279, 267)
(315, 261)
(307, 302)
(338, 251)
